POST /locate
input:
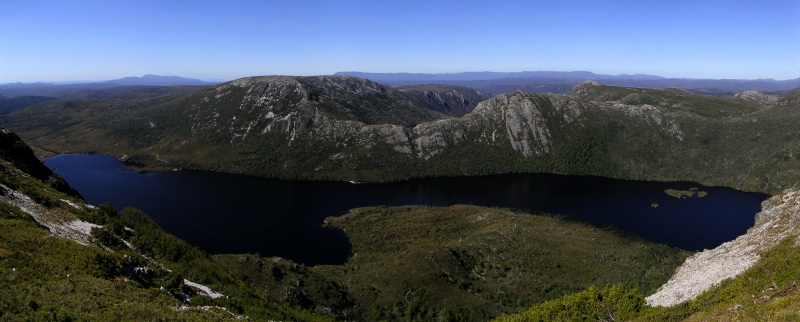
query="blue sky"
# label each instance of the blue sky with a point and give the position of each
(222, 40)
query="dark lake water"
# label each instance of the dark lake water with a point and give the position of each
(225, 213)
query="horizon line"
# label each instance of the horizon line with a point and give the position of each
(225, 79)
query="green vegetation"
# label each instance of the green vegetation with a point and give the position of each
(409, 263)
(45, 278)
(133, 272)
(293, 284)
(678, 194)
(458, 263)
(413, 263)
(12, 104)
(323, 132)
(48, 278)
(416, 263)
(613, 303)
(768, 291)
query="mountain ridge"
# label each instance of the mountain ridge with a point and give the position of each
(365, 131)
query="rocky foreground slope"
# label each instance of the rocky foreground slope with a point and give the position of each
(780, 218)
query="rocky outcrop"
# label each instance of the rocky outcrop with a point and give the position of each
(520, 120)
(58, 221)
(295, 106)
(334, 109)
(779, 219)
(758, 97)
(523, 121)
(584, 88)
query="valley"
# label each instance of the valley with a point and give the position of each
(421, 161)
(343, 128)
(454, 262)
(284, 218)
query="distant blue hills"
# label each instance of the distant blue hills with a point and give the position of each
(158, 80)
(561, 82)
(489, 82)
(475, 76)
(74, 89)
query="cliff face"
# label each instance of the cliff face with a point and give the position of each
(779, 219)
(522, 121)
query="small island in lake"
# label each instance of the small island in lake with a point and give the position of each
(692, 192)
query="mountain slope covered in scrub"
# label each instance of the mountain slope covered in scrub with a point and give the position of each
(345, 128)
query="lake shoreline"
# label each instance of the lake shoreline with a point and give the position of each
(274, 217)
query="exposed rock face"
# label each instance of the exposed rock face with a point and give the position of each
(293, 104)
(779, 219)
(337, 110)
(584, 87)
(521, 120)
(758, 97)
(58, 221)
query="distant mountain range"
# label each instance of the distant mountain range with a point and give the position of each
(158, 80)
(492, 83)
(561, 82)
(69, 90)
(390, 78)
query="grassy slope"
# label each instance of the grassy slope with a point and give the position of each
(768, 291)
(461, 262)
(47, 278)
(43, 277)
